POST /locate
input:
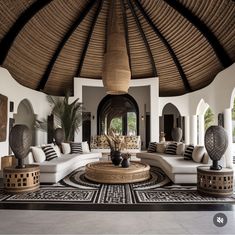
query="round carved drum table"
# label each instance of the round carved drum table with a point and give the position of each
(106, 172)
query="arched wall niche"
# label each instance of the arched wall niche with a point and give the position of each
(171, 117)
(113, 106)
(25, 115)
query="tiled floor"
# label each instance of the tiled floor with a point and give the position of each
(74, 222)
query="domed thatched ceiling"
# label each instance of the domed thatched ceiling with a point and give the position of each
(45, 43)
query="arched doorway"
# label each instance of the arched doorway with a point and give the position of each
(25, 115)
(171, 118)
(119, 112)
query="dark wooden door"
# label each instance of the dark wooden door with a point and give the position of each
(168, 126)
(147, 133)
(86, 127)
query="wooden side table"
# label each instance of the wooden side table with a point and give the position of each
(21, 180)
(215, 183)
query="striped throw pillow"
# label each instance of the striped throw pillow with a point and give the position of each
(152, 148)
(188, 152)
(171, 148)
(49, 152)
(76, 147)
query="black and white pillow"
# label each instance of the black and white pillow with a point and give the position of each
(188, 152)
(49, 152)
(76, 147)
(152, 148)
(171, 148)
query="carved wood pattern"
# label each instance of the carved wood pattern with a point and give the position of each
(3, 117)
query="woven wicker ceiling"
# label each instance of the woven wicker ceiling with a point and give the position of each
(45, 44)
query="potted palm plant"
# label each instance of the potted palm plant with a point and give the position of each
(69, 114)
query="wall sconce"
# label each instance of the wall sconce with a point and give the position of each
(142, 118)
(93, 117)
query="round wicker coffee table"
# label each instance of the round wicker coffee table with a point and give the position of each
(106, 172)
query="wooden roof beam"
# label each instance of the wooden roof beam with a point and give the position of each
(143, 37)
(167, 45)
(126, 32)
(220, 52)
(70, 31)
(23, 19)
(89, 38)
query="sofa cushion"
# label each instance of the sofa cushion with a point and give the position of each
(132, 142)
(85, 147)
(161, 147)
(76, 147)
(38, 154)
(152, 147)
(180, 149)
(57, 150)
(188, 152)
(49, 152)
(66, 149)
(198, 153)
(65, 161)
(171, 148)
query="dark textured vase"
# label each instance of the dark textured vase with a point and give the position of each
(116, 157)
(176, 134)
(59, 136)
(216, 143)
(125, 163)
(20, 140)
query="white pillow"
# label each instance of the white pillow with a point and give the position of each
(206, 159)
(29, 159)
(66, 148)
(198, 153)
(38, 154)
(180, 149)
(57, 150)
(85, 147)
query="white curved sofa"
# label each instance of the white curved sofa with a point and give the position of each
(176, 167)
(56, 169)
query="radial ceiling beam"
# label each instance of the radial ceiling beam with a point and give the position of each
(167, 45)
(8, 39)
(126, 32)
(89, 37)
(70, 31)
(143, 37)
(220, 52)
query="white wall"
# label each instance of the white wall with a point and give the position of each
(92, 96)
(16, 93)
(152, 83)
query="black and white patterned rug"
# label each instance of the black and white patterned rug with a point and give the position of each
(76, 189)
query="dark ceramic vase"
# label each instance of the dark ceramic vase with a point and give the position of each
(20, 140)
(116, 157)
(216, 143)
(59, 136)
(125, 163)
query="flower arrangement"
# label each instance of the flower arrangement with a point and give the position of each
(115, 143)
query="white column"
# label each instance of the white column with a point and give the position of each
(193, 129)
(228, 128)
(201, 129)
(187, 130)
(154, 112)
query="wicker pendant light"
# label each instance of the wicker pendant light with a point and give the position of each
(116, 70)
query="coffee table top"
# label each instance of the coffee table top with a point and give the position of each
(106, 172)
